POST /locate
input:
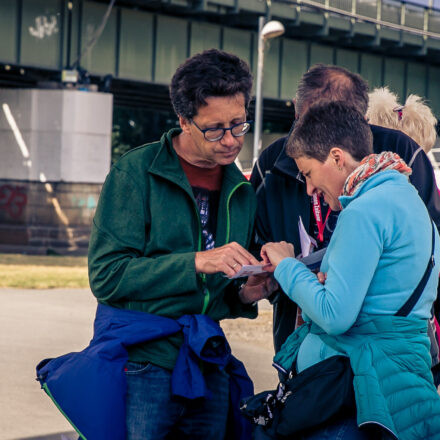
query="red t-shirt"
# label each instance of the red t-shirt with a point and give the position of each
(206, 185)
(206, 178)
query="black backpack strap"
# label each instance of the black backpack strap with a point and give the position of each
(412, 300)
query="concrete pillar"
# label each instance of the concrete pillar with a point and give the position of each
(55, 153)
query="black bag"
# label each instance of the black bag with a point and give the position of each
(305, 400)
(317, 394)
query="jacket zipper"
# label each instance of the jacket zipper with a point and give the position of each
(203, 276)
(46, 389)
(227, 208)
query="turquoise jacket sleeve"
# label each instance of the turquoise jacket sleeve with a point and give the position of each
(350, 264)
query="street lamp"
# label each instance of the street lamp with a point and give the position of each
(271, 29)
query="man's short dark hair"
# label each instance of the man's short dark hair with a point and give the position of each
(329, 124)
(210, 73)
(332, 83)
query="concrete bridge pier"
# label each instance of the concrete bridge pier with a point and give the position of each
(55, 153)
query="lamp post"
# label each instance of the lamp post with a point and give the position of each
(271, 29)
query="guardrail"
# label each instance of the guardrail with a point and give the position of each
(419, 18)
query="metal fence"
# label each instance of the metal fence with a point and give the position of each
(417, 16)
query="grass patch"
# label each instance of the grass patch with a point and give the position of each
(43, 272)
(43, 260)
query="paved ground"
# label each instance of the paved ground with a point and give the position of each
(36, 324)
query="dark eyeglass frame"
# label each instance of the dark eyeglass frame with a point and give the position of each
(205, 130)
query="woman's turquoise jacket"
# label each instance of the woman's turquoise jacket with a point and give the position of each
(392, 378)
(376, 257)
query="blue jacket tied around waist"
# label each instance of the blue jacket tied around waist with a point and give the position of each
(89, 387)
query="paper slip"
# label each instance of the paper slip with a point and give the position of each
(248, 270)
(312, 261)
(307, 242)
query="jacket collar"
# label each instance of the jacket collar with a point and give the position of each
(166, 162)
(373, 182)
(285, 164)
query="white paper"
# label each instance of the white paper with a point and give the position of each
(307, 242)
(248, 270)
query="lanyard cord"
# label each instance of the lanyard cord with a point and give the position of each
(317, 212)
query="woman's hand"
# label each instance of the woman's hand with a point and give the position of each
(257, 287)
(273, 253)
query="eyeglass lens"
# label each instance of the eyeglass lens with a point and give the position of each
(236, 130)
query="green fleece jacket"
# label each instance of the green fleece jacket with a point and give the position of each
(391, 363)
(145, 234)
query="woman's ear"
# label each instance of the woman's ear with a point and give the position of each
(338, 157)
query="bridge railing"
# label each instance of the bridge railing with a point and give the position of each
(420, 17)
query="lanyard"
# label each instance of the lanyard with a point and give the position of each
(317, 211)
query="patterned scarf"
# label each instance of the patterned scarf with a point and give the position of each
(373, 164)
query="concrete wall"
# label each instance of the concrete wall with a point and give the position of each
(55, 153)
(55, 135)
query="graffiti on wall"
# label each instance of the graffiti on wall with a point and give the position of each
(13, 200)
(45, 26)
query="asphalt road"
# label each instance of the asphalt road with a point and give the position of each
(37, 324)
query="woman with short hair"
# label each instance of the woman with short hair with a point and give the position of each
(381, 249)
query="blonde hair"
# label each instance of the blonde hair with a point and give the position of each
(415, 118)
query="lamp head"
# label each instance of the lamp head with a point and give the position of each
(272, 29)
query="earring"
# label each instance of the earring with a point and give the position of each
(340, 168)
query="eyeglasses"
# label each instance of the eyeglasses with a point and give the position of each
(215, 134)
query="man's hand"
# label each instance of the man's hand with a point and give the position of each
(321, 277)
(273, 253)
(227, 259)
(257, 287)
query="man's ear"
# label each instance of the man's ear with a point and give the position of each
(185, 124)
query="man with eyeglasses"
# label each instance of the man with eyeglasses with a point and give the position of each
(173, 224)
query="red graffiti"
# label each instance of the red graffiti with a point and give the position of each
(13, 199)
